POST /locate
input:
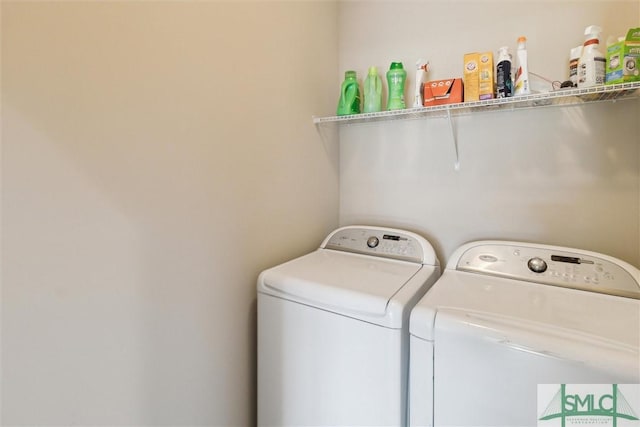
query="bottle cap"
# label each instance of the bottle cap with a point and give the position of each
(576, 52)
(592, 30)
(396, 66)
(522, 39)
(503, 54)
(349, 74)
(373, 71)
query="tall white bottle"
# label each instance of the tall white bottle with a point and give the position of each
(503, 74)
(522, 85)
(591, 66)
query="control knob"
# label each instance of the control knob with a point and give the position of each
(372, 241)
(537, 265)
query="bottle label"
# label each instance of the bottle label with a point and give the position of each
(522, 84)
(396, 81)
(503, 79)
(573, 70)
(600, 70)
(594, 74)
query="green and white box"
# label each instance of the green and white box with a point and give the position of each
(623, 59)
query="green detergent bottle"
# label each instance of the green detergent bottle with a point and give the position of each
(396, 76)
(349, 95)
(372, 91)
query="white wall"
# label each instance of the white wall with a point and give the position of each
(569, 177)
(155, 157)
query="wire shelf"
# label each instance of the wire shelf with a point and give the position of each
(563, 97)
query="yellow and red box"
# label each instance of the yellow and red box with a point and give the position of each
(439, 92)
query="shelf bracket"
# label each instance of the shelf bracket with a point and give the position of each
(329, 134)
(454, 137)
(328, 131)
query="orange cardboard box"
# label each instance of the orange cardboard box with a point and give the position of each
(439, 92)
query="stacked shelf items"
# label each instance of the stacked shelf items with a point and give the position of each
(563, 97)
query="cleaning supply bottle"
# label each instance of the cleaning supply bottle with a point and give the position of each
(372, 91)
(349, 102)
(421, 69)
(574, 58)
(522, 86)
(503, 73)
(591, 66)
(396, 77)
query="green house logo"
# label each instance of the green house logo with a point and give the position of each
(590, 404)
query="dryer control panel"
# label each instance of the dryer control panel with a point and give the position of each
(551, 265)
(382, 242)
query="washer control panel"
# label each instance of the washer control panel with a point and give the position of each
(552, 266)
(386, 243)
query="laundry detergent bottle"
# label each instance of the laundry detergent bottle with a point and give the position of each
(396, 77)
(349, 102)
(372, 91)
(591, 66)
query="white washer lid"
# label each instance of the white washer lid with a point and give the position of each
(355, 285)
(519, 304)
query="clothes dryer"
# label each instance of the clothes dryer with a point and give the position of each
(333, 329)
(505, 317)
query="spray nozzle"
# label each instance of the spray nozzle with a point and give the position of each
(592, 30)
(421, 65)
(592, 35)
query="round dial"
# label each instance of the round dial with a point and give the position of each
(537, 265)
(372, 241)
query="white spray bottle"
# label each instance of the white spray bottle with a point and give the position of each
(591, 66)
(421, 69)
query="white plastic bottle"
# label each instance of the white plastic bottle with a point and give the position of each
(522, 86)
(421, 70)
(591, 66)
(574, 58)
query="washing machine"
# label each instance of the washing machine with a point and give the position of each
(333, 329)
(505, 317)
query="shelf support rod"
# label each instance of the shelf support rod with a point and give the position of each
(456, 165)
